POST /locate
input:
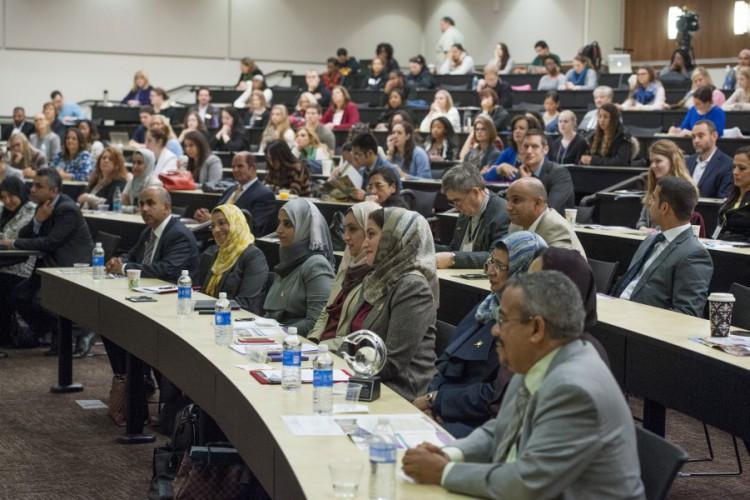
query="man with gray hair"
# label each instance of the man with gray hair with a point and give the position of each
(483, 219)
(563, 429)
(602, 95)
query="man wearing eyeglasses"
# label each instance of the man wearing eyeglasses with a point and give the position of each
(564, 429)
(483, 220)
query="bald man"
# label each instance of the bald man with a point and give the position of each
(730, 80)
(528, 211)
(165, 247)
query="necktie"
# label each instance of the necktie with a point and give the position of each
(148, 253)
(233, 199)
(512, 432)
(636, 268)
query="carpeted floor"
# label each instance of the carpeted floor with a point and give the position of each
(50, 448)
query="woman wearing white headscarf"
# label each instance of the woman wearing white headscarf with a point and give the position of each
(303, 278)
(400, 297)
(334, 322)
(144, 163)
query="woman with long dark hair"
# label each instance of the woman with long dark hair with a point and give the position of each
(202, 163)
(610, 144)
(231, 136)
(404, 152)
(73, 162)
(441, 143)
(285, 171)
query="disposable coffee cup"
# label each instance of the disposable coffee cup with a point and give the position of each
(570, 215)
(134, 278)
(696, 230)
(720, 307)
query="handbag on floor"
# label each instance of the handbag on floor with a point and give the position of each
(167, 458)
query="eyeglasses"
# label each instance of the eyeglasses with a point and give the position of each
(494, 265)
(500, 318)
(376, 185)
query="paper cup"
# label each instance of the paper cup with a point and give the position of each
(720, 307)
(696, 230)
(134, 278)
(570, 215)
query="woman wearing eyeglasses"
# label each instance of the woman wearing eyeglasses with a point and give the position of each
(462, 396)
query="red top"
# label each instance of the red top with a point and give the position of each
(361, 316)
(351, 116)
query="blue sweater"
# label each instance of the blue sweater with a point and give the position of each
(420, 164)
(508, 155)
(716, 115)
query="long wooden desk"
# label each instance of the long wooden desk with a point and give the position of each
(183, 349)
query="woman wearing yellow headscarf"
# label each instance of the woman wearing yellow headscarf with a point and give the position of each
(234, 265)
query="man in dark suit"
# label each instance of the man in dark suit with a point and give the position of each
(19, 124)
(59, 232)
(671, 269)
(556, 179)
(483, 220)
(210, 115)
(165, 247)
(710, 167)
(249, 194)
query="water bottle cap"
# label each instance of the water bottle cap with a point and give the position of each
(98, 244)
(322, 348)
(222, 295)
(185, 272)
(292, 330)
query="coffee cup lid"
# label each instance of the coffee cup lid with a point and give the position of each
(721, 297)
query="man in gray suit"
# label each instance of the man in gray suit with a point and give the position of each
(564, 428)
(671, 269)
(528, 211)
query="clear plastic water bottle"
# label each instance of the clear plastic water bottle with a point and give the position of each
(467, 121)
(184, 293)
(97, 261)
(382, 462)
(223, 320)
(323, 382)
(291, 371)
(117, 200)
(105, 97)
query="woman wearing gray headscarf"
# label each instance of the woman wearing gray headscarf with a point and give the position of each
(346, 292)
(400, 297)
(302, 280)
(144, 163)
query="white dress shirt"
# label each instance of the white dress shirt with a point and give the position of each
(157, 232)
(700, 166)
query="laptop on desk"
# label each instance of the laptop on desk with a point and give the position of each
(119, 139)
(620, 64)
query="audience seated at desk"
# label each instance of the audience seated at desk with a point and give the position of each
(703, 109)
(332, 76)
(492, 81)
(346, 292)
(537, 66)
(442, 105)
(248, 69)
(7, 171)
(400, 297)
(556, 179)
(464, 394)
(60, 233)
(505, 166)
(256, 84)
(440, 145)
(342, 112)
(740, 98)
(140, 92)
(297, 118)
(479, 148)
(161, 122)
(142, 176)
(249, 194)
(490, 105)
(449, 36)
(160, 103)
(366, 159)
(50, 112)
(202, 163)
(67, 112)
(24, 157)
(483, 219)
(553, 79)
(679, 67)
(700, 78)
(91, 138)
(403, 151)
(349, 66)
(44, 139)
(610, 144)
(279, 128)
(602, 95)
(734, 216)
(313, 115)
(396, 103)
(303, 277)
(666, 160)
(385, 52)
(457, 62)
(17, 212)
(551, 111)
(193, 122)
(710, 167)
(284, 171)
(73, 162)
(564, 427)
(233, 265)
(315, 86)
(383, 188)
(19, 124)
(138, 139)
(570, 146)
(731, 79)
(256, 114)
(156, 141)
(208, 113)
(671, 269)
(501, 59)
(582, 76)
(231, 135)
(109, 175)
(309, 149)
(419, 76)
(528, 211)
(375, 76)
(646, 92)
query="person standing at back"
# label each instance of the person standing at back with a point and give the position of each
(449, 37)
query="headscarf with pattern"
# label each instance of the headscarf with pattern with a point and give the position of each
(238, 239)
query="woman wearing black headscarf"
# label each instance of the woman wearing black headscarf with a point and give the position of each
(17, 212)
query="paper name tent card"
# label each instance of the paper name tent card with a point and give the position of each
(156, 289)
(274, 376)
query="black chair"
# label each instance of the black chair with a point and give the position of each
(420, 201)
(585, 215)
(660, 463)
(443, 336)
(109, 242)
(179, 211)
(741, 311)
(604, 274)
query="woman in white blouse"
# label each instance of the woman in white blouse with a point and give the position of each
(740, 99)
(156, 141)
(442, 105)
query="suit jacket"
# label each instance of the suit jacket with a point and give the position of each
(175, 251)
(734, 222)
(717, 179)
(244, 281)
(679, 277)
(577, 439)
(26, 128)
(493, 225)
(555, 230)
(64, 237)
(559, 185)
(212, 122)
(259, 200)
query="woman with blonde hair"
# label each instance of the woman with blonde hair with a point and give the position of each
(309, 147)
(666, 159)
(740, 99)
(108, 176)
(442, 105)
(173, 144)
(278, 128)
(140, 92)
(305, 100)
(23, 156)
(700, 78)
